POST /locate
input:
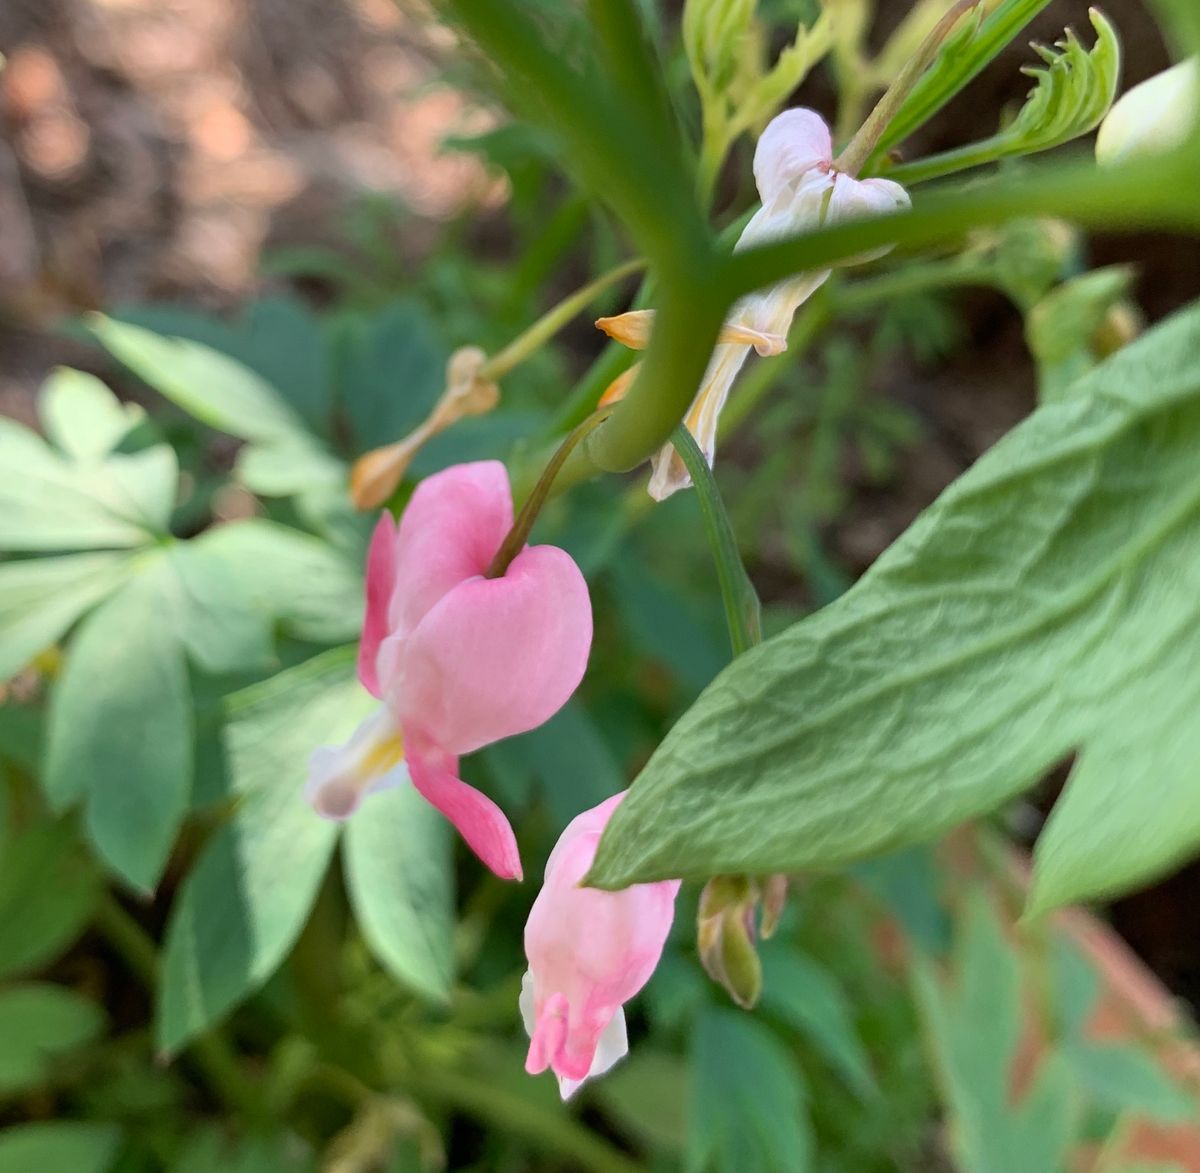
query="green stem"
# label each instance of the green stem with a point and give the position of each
(863, 145)
(211, 1053)
(743, 611)
(516, 538)
(554, 320)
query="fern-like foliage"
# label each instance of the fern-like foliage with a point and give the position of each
(1074, 90)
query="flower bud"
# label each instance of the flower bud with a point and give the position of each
(374, 477)
(725, 937)
(1153, 117)
(713, 33)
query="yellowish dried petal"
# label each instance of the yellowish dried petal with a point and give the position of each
(616, 389)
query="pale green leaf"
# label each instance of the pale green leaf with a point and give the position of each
(211, 386)
(82, 417)
(40, 598)
(748, 1106)
(312, 589)
(39, 920)
(59, 1148)
(399, 875)
(246, 899)
(121, 731)
(48, 502)
(1046, 602)
(40, 1023)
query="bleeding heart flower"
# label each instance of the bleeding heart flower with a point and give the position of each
(458, 659)
(800, 190)
(589, 952)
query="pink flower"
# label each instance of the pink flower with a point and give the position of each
(589, 952)
(459, 660)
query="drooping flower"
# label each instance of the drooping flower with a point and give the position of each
(589, 952)
(459, 660)
(801, 190)
(1154, 116)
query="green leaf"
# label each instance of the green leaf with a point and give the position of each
(246, 899)
(394, 372)
(748, 1105)
(121, 731)
(647, 1096)
(808, 997)
(50, 503)
(974, 1029)
(40, 919)
(399, 875)
(211, 386)
(1126, 1078)
(59, 1148)
(211, 1148)
(963, 56)
(1037, 607)
(39, 1023)
(82, 417)
(40, 598)
(311, 588)
(1072, 95)
(1060, 328)
(743, 612)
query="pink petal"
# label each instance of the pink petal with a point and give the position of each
(793, 143)
(589, 952)
(381, 574)
(495, 657)
(478, 819)
(449, 532)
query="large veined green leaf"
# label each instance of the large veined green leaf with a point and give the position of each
(59, 1148)
(40, 1022)
(399, 873)
(41, 597)
(246, 899)
(1046, 602)
(121, 731)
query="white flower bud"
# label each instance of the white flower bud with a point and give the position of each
(1152, 117)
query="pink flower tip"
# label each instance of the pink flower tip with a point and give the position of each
(589, 952)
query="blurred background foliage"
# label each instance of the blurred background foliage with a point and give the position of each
(195, 973)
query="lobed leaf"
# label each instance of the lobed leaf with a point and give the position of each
(246, 899)
(400, 878)
(121, 731)
(1045, 603)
